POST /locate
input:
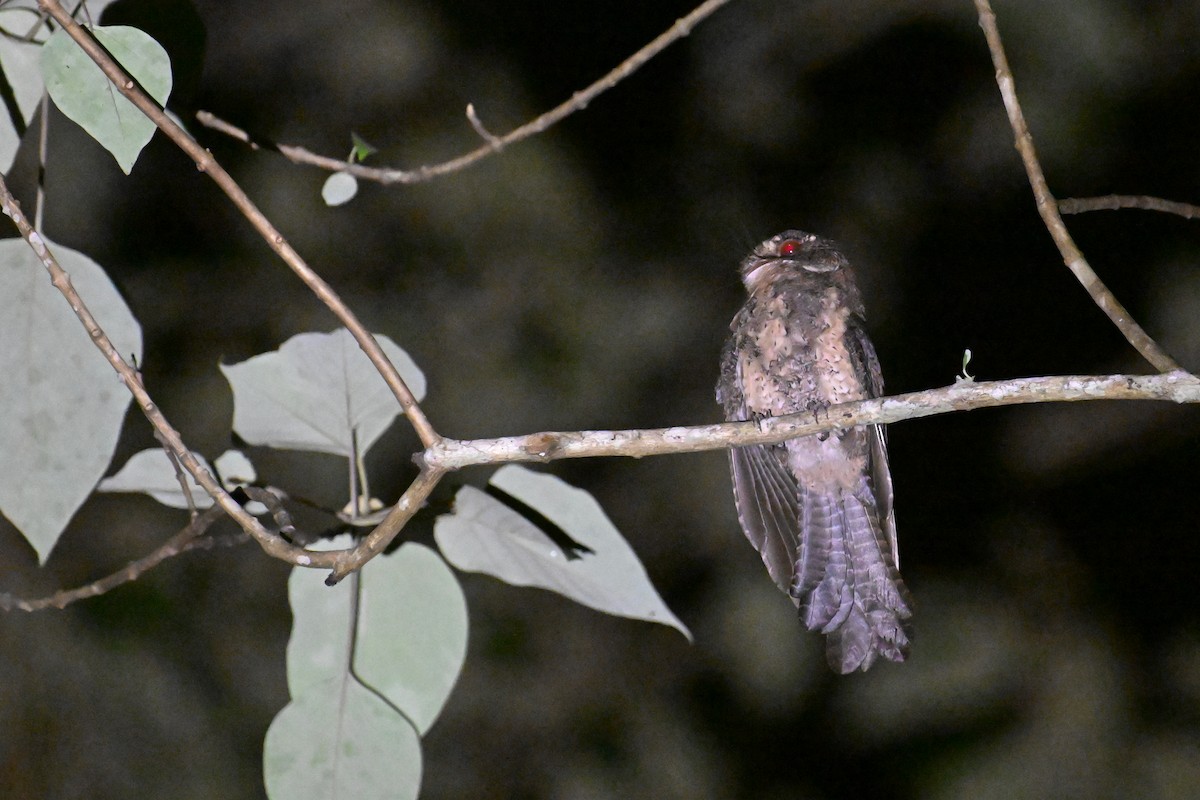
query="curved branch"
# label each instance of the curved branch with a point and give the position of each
(494, 144)
(377, 540)
(453, 454)
(1112, 202)
(1048, 207)
(205, 162)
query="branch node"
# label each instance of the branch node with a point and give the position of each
(489, 137)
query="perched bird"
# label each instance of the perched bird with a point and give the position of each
(817, 508)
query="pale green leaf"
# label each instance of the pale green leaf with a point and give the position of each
(339, 740)
(21, 62)
(151, 472)
(484, 535)
(412, 631)
(322, 625)
(63, 403)
(316, 392)
(83, 93)
(235, 469)
(352, 732)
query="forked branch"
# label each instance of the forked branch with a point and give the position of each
(205, 162)
(493, 144)
(450, 454)
(1048, 207)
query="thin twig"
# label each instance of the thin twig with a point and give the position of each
(452, 454)
(274, 503)
(180, 475)
(210, 120)
(577, 102)
(187, 539)
(1048, 207)
(483, 132)
(1112, 202)
(177, 544)
(205, 162)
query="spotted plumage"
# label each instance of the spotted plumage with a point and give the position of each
(817, 508)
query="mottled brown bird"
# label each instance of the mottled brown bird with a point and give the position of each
(817, 508)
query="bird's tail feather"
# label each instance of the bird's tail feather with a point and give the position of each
(847, 585)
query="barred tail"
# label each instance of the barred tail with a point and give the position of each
(846, 583)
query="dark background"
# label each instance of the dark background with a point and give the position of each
(585, 279)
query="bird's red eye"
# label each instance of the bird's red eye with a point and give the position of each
(789, 247)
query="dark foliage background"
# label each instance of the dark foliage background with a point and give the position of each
(585, 279)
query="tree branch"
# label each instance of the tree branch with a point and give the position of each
(271, 543)
(205, 162)
(1048, 207)
(453, 454)
(377, 541)
(577, 102)
(1112, 202)
(165, 432)
(177, 544)
(187, 539)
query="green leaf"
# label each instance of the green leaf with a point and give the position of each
(354, 732)
(361, 148)
(412, 631)
(63, 404)
(85, 95)
(340, 740)
(484, 535)
(339, 188)
(151, 472)
(322, 625)
(315, 392)
(21, 62)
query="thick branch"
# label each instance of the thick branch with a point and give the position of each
(1048, 207)
(452, 454)
(494, 144)
(205, 162)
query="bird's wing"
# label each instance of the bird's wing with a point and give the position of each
(881, 474)
(767, 507)
(763, 489)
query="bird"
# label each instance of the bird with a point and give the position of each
(817, 508)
